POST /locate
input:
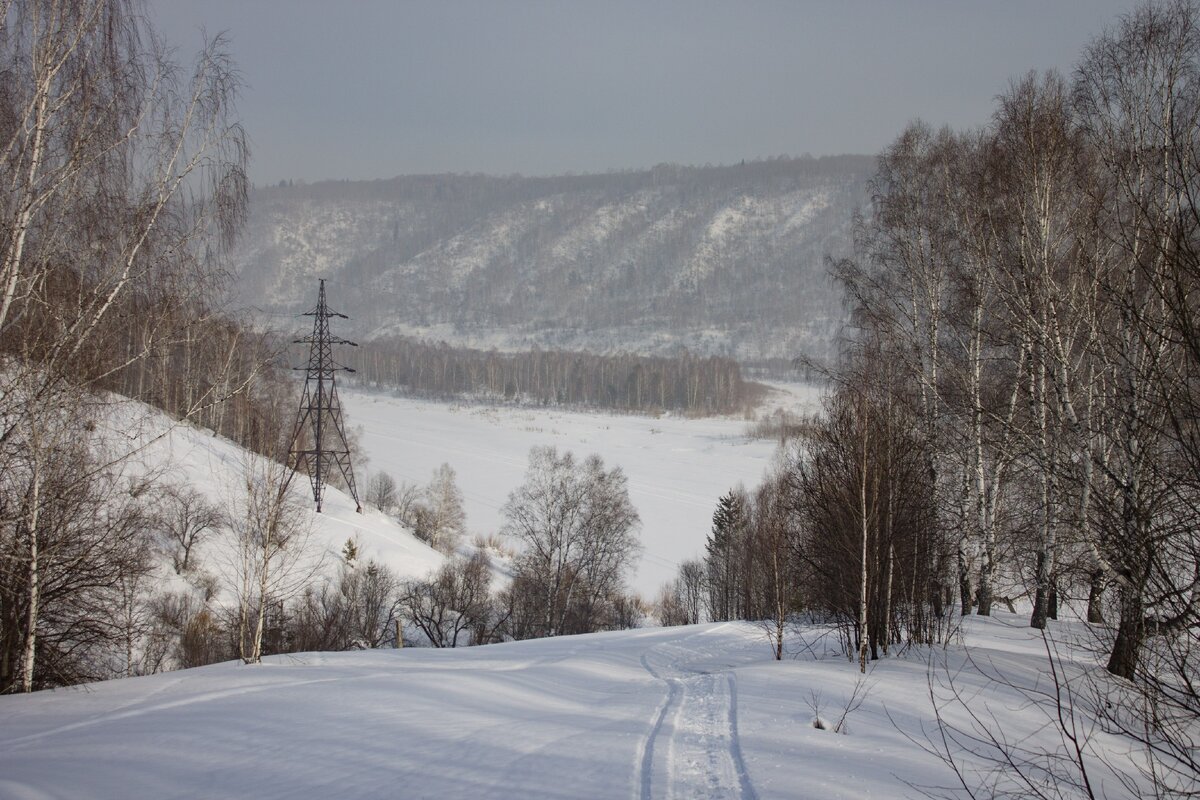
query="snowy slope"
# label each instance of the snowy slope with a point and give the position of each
(214, 466)
(720, 260)
(699, 712)
(677, 467)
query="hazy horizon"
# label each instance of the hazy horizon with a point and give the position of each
(376, 89)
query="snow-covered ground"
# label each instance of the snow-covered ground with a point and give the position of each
(677, 467)
(185, 456)
(694, 712)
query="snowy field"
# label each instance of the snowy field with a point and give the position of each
(677, 467)
(696, 712)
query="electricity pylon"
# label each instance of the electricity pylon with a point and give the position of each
(320, 412)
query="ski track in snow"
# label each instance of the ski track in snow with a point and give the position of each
(692, 749)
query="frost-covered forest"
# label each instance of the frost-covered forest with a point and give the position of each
(722, 260)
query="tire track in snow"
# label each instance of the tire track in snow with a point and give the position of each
(647, 761)
(692, 749)
(735, 749)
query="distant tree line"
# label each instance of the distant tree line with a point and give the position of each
(688, 384)
(498, 191)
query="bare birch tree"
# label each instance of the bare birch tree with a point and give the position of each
(444, 521)
(123, 184)
(269, 560)
(454, 603)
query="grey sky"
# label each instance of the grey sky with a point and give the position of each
(376, 89)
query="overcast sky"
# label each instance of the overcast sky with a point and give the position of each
(377, 89)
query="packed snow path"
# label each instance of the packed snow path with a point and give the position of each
(692, 750)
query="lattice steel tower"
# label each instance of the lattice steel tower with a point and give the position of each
(320, 413)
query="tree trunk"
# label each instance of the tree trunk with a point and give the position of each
(1041, 600)
(35, 586)
(1095, 614)
(984, 594)
(779, 607)
(862, 603)
(1123, 661)
(887, 599)
(964, 578)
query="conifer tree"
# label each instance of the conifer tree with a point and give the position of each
(730, 522)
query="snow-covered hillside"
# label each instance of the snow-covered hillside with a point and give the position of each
(720, 260)
(694, 712)
(183, 455)
(677, 467)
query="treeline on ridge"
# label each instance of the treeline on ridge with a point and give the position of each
(686, 383)
(723, 260)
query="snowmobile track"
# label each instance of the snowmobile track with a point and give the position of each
(692, 749)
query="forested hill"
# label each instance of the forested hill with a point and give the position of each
(722, 260)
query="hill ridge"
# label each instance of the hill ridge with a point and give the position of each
(725, 260)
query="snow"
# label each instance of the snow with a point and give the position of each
(745, 218)
(316, 244)
(692, 712)
(214, 467)
(467, 253)
(601, 226)
(803, 211)
(677, 467)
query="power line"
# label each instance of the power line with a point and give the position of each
(319, 418)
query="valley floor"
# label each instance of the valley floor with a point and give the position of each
(692, 712)
(677, 467)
